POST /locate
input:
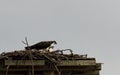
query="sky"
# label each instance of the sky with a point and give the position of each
(86, 26)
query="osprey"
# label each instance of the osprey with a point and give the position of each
(45, 45)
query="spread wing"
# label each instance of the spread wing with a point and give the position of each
(41, 45)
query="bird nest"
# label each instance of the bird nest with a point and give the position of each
(39, 54)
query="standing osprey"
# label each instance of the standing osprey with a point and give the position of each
(45, 45)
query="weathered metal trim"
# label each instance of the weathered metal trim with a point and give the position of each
(24, 62)
(77, 62)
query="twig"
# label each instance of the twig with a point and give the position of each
(7, 69)
(59, 73)
(30, 54)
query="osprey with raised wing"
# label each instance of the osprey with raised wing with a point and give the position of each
(43, 45)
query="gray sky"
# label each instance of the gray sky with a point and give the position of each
(86, 26)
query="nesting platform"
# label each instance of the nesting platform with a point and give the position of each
(36, 62)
